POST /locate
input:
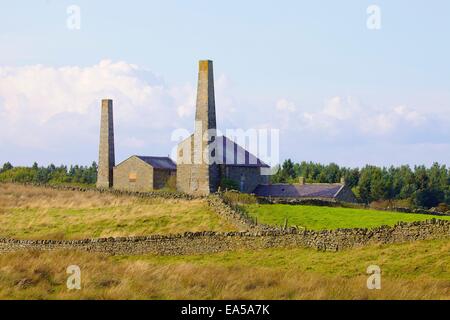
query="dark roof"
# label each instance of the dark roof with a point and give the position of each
(314, 190)
(233, 154)
(230, 153)
(159, 162)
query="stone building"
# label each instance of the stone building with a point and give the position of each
(322, 191)
(141, 173)
(204, 159)
(137, 173)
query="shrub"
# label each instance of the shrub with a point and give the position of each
(229, 184)
(238, 198)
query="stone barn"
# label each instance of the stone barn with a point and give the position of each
(137, 173)
(143, 173)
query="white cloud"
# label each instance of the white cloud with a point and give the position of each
(344, 115)
(285, 105)
(52, 115)
(45, 107)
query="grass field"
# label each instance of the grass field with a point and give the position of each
(38, 213)
(418, 270)
(320, 218)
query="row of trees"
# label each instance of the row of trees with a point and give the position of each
(422, 186)
(78, 175)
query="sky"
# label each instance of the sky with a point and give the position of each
(342, 83)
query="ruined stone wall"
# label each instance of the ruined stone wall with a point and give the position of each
(137, 168)
(212, 242)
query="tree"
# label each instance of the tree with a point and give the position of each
(7, 166)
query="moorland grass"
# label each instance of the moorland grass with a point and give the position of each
(38, 213)
(416, 270)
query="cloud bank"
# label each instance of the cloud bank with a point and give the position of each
(52, 114)
(56, 110)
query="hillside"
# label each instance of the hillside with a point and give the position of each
(417, 270)
(40, 213)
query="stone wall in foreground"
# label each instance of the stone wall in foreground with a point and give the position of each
(212, 242)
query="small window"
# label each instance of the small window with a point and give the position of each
(180, 154)
(132, 177)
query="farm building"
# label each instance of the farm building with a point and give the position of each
(137, 173)
(322, 191)
(143, 173)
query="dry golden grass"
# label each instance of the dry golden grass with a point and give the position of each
(418, 270)
(38, 213)
(264, 274)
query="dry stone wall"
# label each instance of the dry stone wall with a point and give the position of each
(236, 216)
(140, 194)
(212, 242)
(255, 236)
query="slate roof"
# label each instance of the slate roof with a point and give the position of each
(313, 190)
(233, 154)
(159, 162)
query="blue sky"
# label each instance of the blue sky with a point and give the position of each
(337, 91)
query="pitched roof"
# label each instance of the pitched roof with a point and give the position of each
(159, 162)
(232, 154)
(313, 190)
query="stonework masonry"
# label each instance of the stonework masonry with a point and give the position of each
(106, 159)
(199, 176)
(138, 169)
(253, 235)
(212, 242)
(247, 177)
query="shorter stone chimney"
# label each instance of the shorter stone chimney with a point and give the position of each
(301, 180)
(342, 180)
(106, 157)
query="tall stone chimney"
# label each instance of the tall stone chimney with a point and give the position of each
(204, 175)
(205, 113)
(106, 159)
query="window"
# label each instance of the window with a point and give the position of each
(242, 183)
(132, 177)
